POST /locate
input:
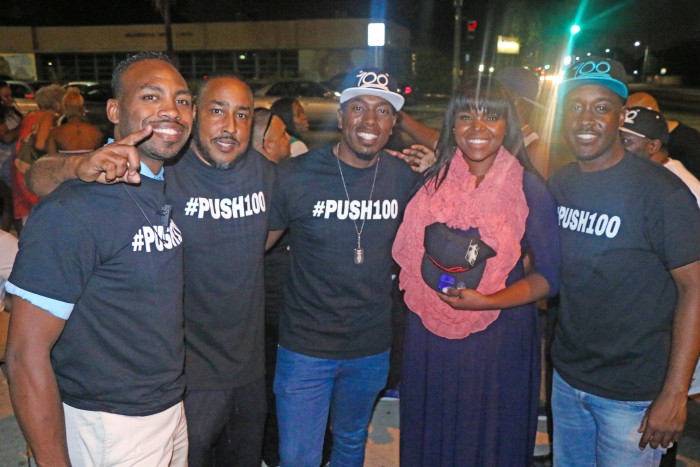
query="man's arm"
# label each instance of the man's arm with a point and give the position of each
(422, 134)
(115, 162)
(33, 389)
(665, 418)
(8, 136)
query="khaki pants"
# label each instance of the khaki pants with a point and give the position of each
(105, 439)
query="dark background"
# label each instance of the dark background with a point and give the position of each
(671, 29)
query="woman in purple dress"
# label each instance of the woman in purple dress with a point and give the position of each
(470, 388)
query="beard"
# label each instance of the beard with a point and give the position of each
(367, 155)
(161, 154)
(204, 152)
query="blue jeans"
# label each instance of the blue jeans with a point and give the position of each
(306, 389)
(595, 431)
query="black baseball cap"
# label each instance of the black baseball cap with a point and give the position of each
(453, 256)
(595, 70)
(645, 123)
(373, 82)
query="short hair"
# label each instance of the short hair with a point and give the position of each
(261, 116)
(284, 109)
(202, 85)
(643, 99)
(49, 97)
(125, 64)
(73, 103)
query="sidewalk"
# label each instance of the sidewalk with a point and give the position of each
(382, 445)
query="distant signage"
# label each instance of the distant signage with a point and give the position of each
(508, 45)
(131, 35)
(375, 34)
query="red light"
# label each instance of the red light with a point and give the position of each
(29, 96)
(471, 25)
(407, 90)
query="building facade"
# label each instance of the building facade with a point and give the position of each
(316, 49)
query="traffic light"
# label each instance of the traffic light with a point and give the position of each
(471, 29)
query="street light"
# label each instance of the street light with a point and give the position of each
(645, 60)
(457, 40)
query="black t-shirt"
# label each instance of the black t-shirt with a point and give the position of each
(333, 307)
(276, 272)
(224, 215)
(122, 348)
(621, 229)
(684, 145)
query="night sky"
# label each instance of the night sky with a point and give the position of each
(664, 22)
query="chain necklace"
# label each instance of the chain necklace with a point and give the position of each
(163, 212)
(359, 251)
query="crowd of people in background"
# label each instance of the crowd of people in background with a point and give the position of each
(206, 289)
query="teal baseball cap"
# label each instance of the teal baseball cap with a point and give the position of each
(595, 70)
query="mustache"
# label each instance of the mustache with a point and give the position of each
(227, 138)
(169, 120)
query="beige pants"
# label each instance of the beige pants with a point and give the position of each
(105, 439)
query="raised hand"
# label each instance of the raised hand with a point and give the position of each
(116, 162)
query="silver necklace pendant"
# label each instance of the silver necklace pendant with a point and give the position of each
(359, 251)
(359, 255)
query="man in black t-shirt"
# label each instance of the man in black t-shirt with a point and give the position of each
(626, 340)
(342, 205)
(220, 193)
(97, 321)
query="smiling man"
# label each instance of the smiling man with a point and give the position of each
(626, 339)
(221, 196)
(96, 351)
(342, 205)
(220, 193)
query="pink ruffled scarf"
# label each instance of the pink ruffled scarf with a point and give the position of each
(497, 207)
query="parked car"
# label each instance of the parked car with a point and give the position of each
(320, 103)
(96, 94)
(23, 94)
